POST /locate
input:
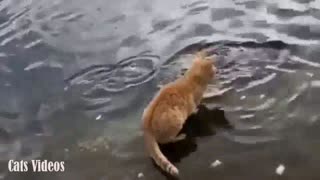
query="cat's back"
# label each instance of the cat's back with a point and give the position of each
(173, 91)
(171, 96)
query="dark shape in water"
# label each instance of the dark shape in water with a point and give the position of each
(204, 123)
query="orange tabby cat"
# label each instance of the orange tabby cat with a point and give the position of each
(167, 112)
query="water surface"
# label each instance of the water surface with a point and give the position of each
(76, 75)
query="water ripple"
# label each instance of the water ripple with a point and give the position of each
(249, 73)
(267, 84)
(258, 82)
(103, 88)
(127, 73)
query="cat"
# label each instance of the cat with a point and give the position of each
(165, 115)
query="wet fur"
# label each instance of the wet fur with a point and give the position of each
(166, 114)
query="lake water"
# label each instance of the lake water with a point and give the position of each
(75, 76)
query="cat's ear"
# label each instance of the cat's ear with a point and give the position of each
(201, 56)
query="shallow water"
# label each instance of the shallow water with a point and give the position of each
(76, 75)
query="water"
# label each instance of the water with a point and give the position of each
(76, 75)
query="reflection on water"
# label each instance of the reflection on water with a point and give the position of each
(76, 75)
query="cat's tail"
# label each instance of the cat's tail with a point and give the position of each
(156, 154)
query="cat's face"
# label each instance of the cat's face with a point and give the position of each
(205, 65)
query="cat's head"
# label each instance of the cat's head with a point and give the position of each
(205, 64)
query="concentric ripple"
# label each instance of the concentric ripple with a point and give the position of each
(103, 84)
(127, 73)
